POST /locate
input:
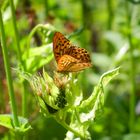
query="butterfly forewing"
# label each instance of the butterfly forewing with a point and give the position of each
(60, 45)
(69, 57)
(81, 54)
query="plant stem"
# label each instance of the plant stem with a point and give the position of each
(15, 30)
(132, 73)
(46, 5)
(67, 127)
(24, 94)
(24, 99)
(110, 13)
(77, 115)
(8, 73)
(39, 26)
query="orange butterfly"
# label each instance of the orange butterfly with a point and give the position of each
(69, 58)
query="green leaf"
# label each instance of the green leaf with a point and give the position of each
(87, 111)
(96, 100)
(6, 120)
(38, 57)
(4, 5)
(106, 77)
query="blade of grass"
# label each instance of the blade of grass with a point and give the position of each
(15, 30)
(8, 73)
(17, 39)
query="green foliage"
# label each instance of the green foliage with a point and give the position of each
(64, 100)
(6, 120)
(110, 31)
(36, 57)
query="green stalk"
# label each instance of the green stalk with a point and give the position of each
(46, 5)
(24, 99)
(110, 13)
(132, 73)
(15, 30)
(47, 27)
(85, 14)
(8, 73)
(67, 127)
(17, 39)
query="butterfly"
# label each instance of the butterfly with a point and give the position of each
(69, 58)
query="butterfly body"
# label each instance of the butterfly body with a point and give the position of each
(69, 58)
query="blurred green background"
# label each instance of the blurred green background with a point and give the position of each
(110, 31)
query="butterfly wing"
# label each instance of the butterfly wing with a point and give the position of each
(69, 57)
(80, 53)
(60, 45)
(68, 63)
(65, 62)
(79, 66)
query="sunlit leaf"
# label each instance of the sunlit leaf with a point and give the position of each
(38, 57)
(96, 100)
